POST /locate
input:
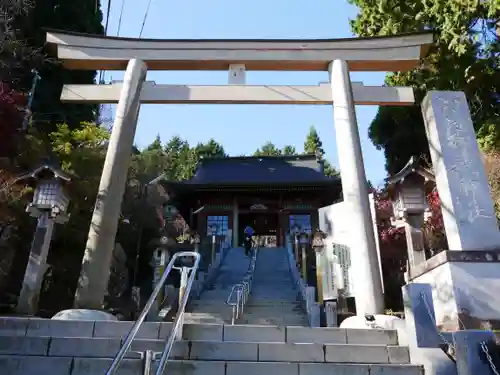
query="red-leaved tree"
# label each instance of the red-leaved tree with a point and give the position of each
(435, 237)
(393, 248)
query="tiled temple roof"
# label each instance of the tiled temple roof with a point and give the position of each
(257, 170)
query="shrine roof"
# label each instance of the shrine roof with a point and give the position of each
(260, 170)
(414, 165)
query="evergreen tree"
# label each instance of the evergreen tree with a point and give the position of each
(17, 58)
(465, 57)
(329, 170)
(268, 149)
(313, 144)
(289, 150)
(149, 163)
(155, 145)
(212, 149)
(83, 16)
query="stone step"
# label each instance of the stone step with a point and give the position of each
(220, 298)
(266, 310)
(37, 365)
(213, 307)
(298, 322)
(272, 312)
(256, 302)
(206, 332)
(201, 318)
(207, 350)
(215, 312)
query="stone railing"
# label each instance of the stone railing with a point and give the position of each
(464, 352)
(307, 294)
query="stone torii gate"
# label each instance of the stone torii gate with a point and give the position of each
(337, 56)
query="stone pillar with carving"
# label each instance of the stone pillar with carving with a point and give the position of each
(469, 217)
(466, 278)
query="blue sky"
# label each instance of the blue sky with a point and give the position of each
(243, 128)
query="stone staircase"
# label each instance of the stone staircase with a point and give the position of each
(274, 344)
(211, 306)
(274, 298)
(51, 347)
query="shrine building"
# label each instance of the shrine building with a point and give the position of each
(273, 194)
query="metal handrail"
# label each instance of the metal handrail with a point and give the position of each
(235, 305)
(242, 290)
(178, 318)
(235, 286)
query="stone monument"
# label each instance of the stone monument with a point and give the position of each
(465, 279)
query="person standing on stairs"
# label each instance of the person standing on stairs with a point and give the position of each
(249, 232)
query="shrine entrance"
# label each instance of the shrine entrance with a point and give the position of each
(264, 223)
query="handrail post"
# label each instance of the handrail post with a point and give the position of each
(214, 242)
(148, 358)
(161, 263)
(182, 291)
(137, 325)
(178, 320)
(304, 262)
(296, 249)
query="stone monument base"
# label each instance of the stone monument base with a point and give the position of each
(465, 288)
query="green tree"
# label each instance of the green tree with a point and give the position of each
(289, 150)
(80, 152)
(22, 37)
(329, 170)
(314, 146)
(176, 160)
(268, 149)
(16, 56)
(80, 16)
(179, 159)
(465, 57)
(148, 163)
(211, 149)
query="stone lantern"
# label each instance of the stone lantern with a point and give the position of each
(303, 242)
(162, 250)
(196, 241)
(295, 234)
(213, 231)
(407, 190)
(49, 205)
(318, 245)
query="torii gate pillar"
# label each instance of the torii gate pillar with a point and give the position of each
(368, 290)
(96, 265)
